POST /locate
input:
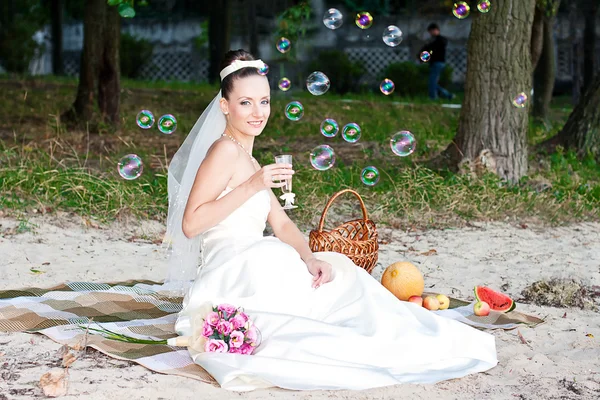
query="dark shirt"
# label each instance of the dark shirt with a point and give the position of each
(437, 48)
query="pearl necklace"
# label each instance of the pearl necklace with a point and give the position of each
(239, 144)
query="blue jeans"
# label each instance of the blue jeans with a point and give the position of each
(435, 71)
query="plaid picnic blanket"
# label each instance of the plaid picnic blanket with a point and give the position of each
(133, 309)
(124, 307)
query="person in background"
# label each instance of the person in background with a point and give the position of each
(437, 62)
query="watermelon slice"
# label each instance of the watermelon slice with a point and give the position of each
(496, 300)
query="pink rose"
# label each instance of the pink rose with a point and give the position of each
(252, 335)
(244, 316)
(224, 327)
(246, 349)
(236, 339)
(227, 308)
(213, 318)
(235, 350)
(237, 321)
(215, 346)
(207, 329)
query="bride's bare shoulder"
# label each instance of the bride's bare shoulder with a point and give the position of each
(223, 149)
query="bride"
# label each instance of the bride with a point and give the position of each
(325, 323)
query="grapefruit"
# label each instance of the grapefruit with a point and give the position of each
(404, 280)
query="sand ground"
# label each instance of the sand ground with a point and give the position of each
(559, 361)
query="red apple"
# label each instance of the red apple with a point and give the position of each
(481, 309)
(431, 303)
(418, 300)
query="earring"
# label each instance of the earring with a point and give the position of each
(226, 112)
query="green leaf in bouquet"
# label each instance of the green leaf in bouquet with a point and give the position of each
(126, 11)
(108, 334)
(114, 2)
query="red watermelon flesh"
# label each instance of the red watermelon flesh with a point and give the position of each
(496, 300)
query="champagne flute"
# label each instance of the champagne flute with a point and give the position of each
(288, 196)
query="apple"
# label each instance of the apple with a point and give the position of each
(444, 301)
(481, 309)
(431, 303)
(418, 300)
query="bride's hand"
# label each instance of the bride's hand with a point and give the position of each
(271, 176)
(320, 270)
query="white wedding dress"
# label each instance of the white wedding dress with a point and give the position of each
(351, 333)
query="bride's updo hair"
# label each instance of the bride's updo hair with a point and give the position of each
(230, 57)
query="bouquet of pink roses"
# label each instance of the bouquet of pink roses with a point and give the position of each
(226, 329)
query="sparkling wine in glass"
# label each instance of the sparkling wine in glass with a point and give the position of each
(288, 196)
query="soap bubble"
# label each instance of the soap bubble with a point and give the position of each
(285, 84)
(403, 143)
(145, 119)
(461, 10)
(520, 101)
(322, 157)
(351, 132)
(329, 128)
(264, 70)
(392, 36)
(484, 6)
(425, 56)
(283, 45)
(130, 167)
(333, 18)
(317, 83)
(387, 87)
(364, 20)
(167, 124)
(369, 176)
(294, 111)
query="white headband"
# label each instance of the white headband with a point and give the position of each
(239, 64)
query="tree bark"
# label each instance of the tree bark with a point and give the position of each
(109, 84)
(253, 28)
(93, 23)
(590, 66)
(582, 130)
(57, 10)
(575, 53)
(498, 69)
(545, 73)
(99, 71)
(537, 36)
(219, 25)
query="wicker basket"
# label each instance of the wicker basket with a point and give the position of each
(357, 239)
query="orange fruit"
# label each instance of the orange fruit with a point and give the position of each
(404, 280)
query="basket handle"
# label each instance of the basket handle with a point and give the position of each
(335, 196)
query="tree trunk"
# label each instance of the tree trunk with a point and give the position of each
(537, 36)
(589, 42)
(109, 86)
(91, 56)
(99, 71)
(498, 69)
(219, 25)
(582, 130)
(57, 10)
(545, 73)
(253, 28)
(575, 53)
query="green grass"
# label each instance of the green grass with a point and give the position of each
(47, 165)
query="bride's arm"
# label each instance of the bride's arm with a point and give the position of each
(203, 210)
(286, 230)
